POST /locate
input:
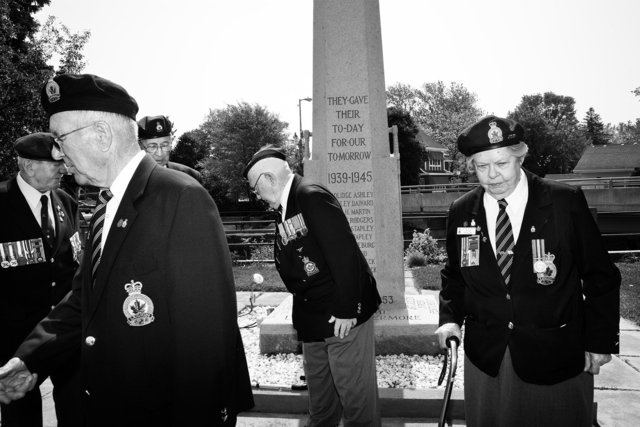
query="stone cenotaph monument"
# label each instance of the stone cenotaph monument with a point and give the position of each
(350, 154)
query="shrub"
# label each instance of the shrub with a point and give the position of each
(262, 252)
(415, 259)
(425, 245)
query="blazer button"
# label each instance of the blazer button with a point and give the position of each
(510, 325)
(53, 284)
(90, 341)
(508, 297)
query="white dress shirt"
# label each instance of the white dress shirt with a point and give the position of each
(516, 204)
(118, 187)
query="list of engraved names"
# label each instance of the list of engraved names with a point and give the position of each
(349, 166)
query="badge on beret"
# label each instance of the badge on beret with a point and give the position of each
(137, 308)
(495, 133)
(159, 127)
(53, 91)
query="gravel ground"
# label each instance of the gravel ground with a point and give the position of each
(284, 370)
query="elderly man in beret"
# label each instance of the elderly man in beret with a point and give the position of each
(153, 314)
(530, 278)
(39, 249)
(154, 135)
(334, 291)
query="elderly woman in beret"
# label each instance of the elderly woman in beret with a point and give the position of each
(531, 281)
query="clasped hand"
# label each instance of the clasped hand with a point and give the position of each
(15, 380)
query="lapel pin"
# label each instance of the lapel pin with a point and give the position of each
(533, 229)
(122, 223)
(60, 213)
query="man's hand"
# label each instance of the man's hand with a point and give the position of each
(593, 361)
(15, 380)
(447, 330)
(342, 326)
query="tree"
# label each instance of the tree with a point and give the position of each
(23, 71)
(411, 152)
(594, 128)
(233, 134)
(442, 112)
(625, 133)
(551, 131)
(190, 149)
(402, 96)
(58, 42)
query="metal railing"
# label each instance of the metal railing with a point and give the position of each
(612, 182)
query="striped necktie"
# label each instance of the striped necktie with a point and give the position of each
(504, 242)
(45, 223)
(97, 222)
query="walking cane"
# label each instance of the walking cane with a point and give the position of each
(452, 344)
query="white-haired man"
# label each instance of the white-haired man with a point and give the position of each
(153, 314)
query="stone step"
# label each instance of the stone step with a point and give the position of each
(394, 403)
(288, 420)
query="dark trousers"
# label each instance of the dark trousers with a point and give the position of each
(342, 380)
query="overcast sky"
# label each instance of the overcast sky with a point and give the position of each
(183, 57)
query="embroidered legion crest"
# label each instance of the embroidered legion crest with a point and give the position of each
(495, 133)
(137, 308)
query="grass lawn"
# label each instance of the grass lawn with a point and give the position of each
(429, 278)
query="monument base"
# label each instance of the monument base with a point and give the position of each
(399, 329)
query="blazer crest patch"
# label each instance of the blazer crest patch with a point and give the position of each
(137, 307)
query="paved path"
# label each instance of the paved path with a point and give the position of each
(617, 387)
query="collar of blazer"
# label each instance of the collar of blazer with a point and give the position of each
(291, 200)
(536, 215)
(128, 210)
(539, 195)
(19, 214)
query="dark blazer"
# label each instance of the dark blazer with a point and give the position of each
(28, 292)
(188, 364)
(546, 327)
(324, 270)
(185, 169)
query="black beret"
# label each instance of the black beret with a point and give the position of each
(264, 153)
(489, 133)
(36, 146)
(68, 92)
(150, 127)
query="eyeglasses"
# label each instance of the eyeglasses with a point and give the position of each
(253, 189)
(58, 139)
(152, 148)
